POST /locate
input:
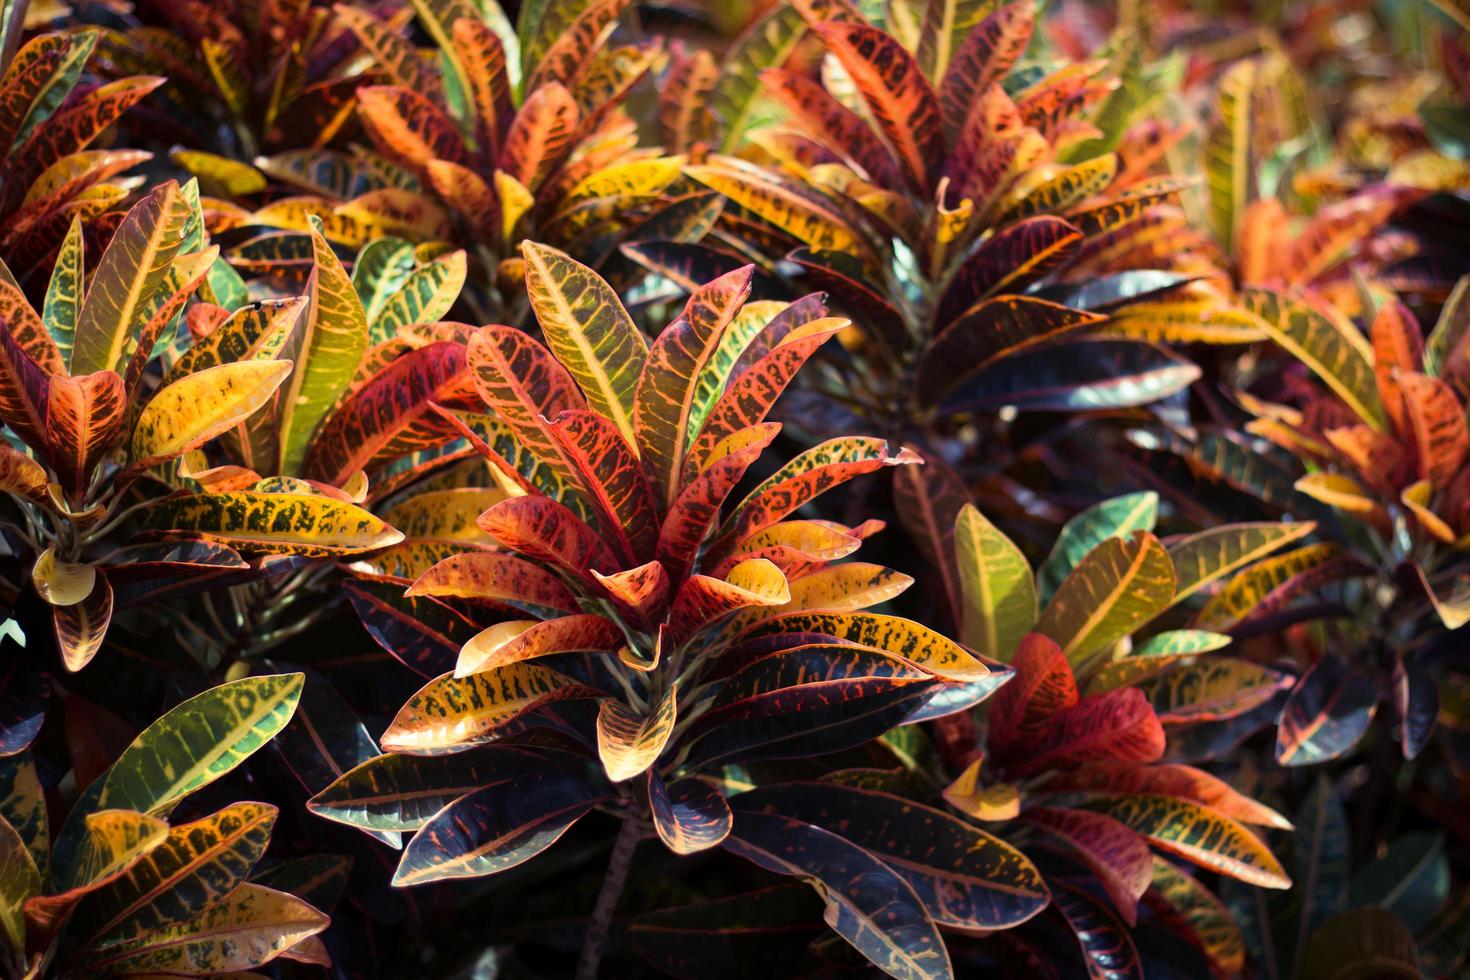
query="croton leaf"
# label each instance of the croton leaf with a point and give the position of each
(1107, 947)
(310, 525)
(1336, 353)
(1214, 553)
(497, 828)
(499, 577)
(249, 927)
(664, 403)
(329, 341)
(868, 903)
(965, 878)
(996, 584)
(390, 793)
(130, 272)
(1204, 836)
(1114, 517)
(689, 815)
(1083, 375)
(809, 700)
(589, 331)
(1188, 906)
(1119, 858)
(391, 415)
(519, 640)
(1116, 588)
(197, 864)
(452, 713)
(898, 95)
(1328, 711)
(114, 841)
(202, 405)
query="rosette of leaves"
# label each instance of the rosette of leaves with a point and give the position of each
(662, 634)
(1072, 765)
(48, 176)
(121, 890)
(978, 218)
(242, 457)
(243, 79)
(1289, 227)
(352, 431)
(1382, 431)
(522, 133)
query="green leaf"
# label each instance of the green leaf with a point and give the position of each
(1411, 879)
(1336, 352)
(998, 592)
(383, 265)
(1210, 555)
(588, 330)
(131, 271)
(1116, 517)
(64, 292)
(199, 741)
(1228, 151)
(767, 43)
(1118, 587)
(425, 296)
(327, 345)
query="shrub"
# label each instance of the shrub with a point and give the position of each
(484, 409)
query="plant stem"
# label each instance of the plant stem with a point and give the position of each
(613, 881)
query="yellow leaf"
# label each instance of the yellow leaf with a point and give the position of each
(628, 743)
(202, 405)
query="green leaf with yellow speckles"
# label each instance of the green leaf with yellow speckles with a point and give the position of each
(311, 525)
(997, 589)
(64, 291)
(328, 343)
(1115, 517)
(195, 866)
(199, 741)
(1200, 834)
(248, 928)
(1210, 555)
(588, 330)
(131, 271)
(1335, 352)
(425, 296)
(254, 332)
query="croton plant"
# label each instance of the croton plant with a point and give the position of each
(439, 436)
